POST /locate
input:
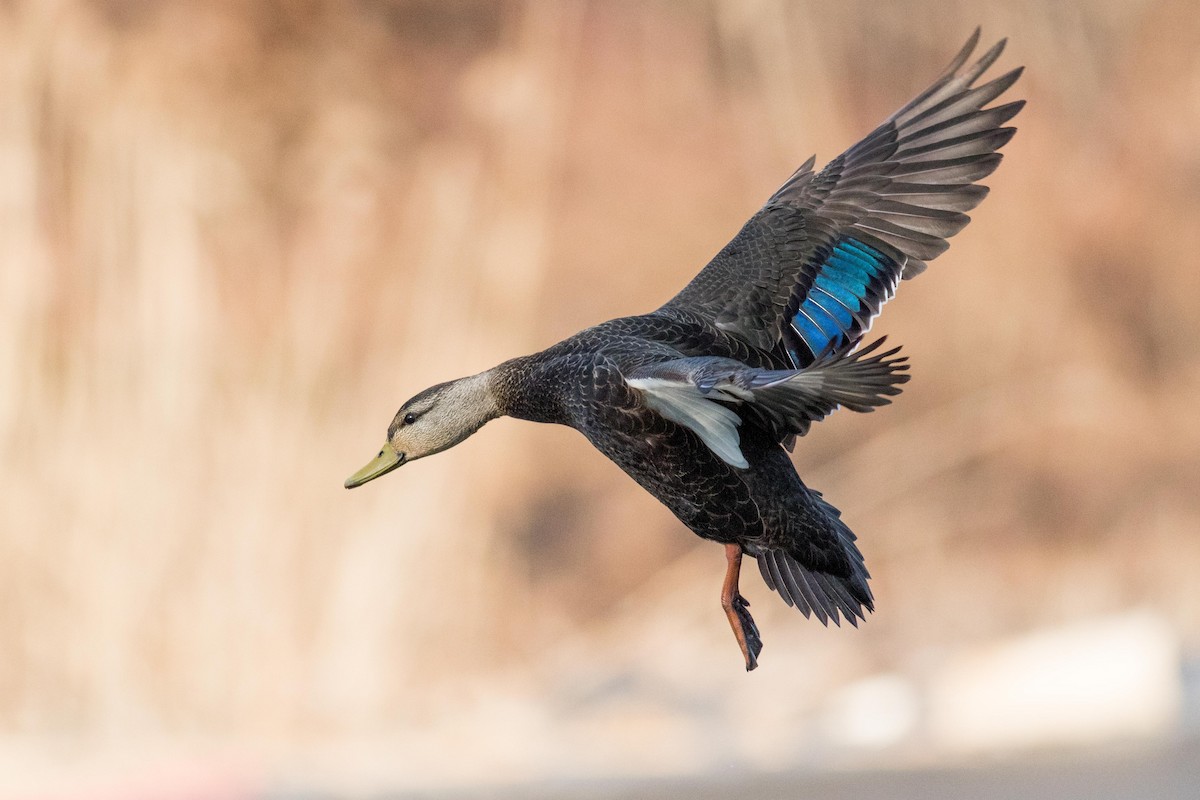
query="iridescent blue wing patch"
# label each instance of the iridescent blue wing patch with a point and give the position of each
(851, 286)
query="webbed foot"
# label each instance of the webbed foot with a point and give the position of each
(744, 630)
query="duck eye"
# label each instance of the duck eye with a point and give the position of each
(410, 418)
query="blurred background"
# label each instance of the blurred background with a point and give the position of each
(234, 237)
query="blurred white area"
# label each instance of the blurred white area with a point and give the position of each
(1101, 683)
(876, 712)
(1088, 683)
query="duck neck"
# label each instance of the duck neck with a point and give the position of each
(477, 399)
(524, 388)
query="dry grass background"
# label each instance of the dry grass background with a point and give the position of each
(234, 237)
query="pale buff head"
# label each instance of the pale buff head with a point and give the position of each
(432, 421)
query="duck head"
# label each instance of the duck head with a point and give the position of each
(432, 421)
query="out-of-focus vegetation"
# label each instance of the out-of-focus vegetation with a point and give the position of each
(235, 236)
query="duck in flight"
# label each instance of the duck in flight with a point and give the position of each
(701, 400)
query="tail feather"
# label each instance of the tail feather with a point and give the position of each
(829, 597)
(816, 590)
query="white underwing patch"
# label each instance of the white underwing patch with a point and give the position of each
(684, 404)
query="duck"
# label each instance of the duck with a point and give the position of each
(701, 401)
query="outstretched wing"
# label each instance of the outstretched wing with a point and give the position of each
(813, 267)
(701, 393)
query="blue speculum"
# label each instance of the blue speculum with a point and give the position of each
(839, 294)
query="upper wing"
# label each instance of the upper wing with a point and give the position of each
(814, 266)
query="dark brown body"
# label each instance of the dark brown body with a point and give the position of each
(581, 383)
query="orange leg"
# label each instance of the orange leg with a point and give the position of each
(737, 609)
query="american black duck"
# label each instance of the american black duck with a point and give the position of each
(700, 400)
